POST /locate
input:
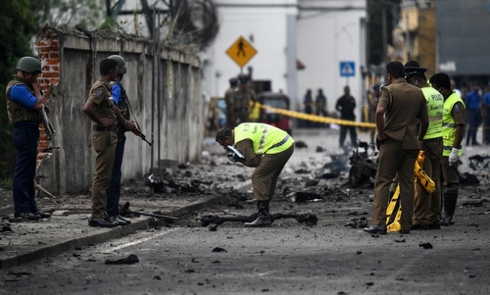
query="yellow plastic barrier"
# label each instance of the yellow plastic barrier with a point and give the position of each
(394, 210)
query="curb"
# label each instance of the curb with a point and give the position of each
(101, 236)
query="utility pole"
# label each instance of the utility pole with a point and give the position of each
(385, 31)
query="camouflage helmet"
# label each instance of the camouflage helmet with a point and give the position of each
(121, 64)
(29, 64)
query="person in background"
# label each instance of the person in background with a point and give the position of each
(244, 100)
(427, 206)
(400, 109)
(24, 105)
(373, 98)
(472, 101)
(486, 115)
(346, 105)
(321, 103)
(267, 148)
(230, 103)
(308, 106)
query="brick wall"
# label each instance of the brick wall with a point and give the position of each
(49, 54)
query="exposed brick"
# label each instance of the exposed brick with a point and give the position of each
(50, 75)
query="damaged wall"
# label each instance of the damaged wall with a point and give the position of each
(164, 93)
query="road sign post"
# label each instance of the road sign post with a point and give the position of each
(347, 69)
(241, 52)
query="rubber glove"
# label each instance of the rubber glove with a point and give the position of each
(453, 157)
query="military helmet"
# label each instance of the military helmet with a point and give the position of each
(29, 64)
(243, 78)
(121, 64)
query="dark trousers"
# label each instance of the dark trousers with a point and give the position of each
(486, 128)
(474, 121)
(25, 139)
(114, 189)
(343, 133)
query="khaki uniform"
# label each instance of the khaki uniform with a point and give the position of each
(404, 105)
(104, 142)
(242, 105)
(230, 107)
(274, 145)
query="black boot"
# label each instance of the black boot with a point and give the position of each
(262, 218)
(450, 201)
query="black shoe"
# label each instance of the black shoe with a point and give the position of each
(376, 229)
(404, 232)
(435, 225)
(42, 214)
(27, 215)
(420, 227)
(120, 219)
(101, 222)
(448, 220)
(262, 220)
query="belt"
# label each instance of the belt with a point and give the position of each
(101, 128)
(437, 139)
(281, 142)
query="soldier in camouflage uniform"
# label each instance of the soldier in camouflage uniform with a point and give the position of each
(24, 105)
(230, 103)
(244, 100)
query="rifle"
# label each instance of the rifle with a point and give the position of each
(49, 128)
(144, 137)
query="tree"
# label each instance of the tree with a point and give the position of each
(89, 13)
(375, 35)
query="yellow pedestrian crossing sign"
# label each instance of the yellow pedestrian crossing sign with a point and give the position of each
(241, 51)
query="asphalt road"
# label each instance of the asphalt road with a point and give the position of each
(287, 258)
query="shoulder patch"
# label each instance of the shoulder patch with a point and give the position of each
(457, 108)
(99, 93)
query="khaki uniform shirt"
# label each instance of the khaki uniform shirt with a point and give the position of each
(100, 94)
(404, 105)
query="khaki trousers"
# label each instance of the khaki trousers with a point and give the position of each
(264, 177)
(104, 143)
(394, 159)
(451, 176)
(427, 206)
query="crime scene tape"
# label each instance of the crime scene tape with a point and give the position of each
(316, 118)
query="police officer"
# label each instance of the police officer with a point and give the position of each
(427, 206)
(120, 99)
(453, 132)
(400, 108)
(105, 115)
(244, 100)
(24, 105)
(267, 148)
(230, 103)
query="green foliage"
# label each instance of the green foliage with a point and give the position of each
(375, 8)
(18, 27)
(69, 12)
